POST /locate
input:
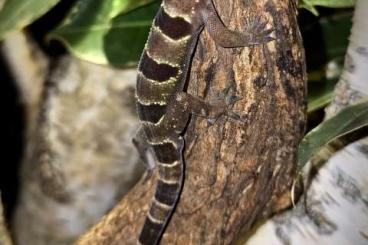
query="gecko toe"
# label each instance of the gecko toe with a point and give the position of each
(235, 117)
(267, 32)
(211, 121)
(269, 39)
(259, 33)
(261, 26)
(232, 99)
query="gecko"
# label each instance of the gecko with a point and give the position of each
(164, 107)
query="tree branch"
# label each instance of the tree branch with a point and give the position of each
(236, 173)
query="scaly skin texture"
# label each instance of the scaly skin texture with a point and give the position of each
(163, 106)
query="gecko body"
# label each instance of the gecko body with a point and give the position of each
(164, 107)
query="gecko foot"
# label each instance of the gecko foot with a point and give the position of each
(225, 101)
(145, 152)
(228, 96)
(256, 27)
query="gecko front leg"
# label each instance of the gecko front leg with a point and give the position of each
(144, 149)
(255, 32)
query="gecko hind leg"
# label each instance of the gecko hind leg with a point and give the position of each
(209, 109)
(226, 98)
(144, 149)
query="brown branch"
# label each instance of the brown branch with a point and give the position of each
(236, 173)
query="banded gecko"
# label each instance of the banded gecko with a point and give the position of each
(164, 107)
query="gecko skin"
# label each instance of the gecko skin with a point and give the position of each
(164, 107)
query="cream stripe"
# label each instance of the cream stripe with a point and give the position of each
(165, 165)
(171, 52)
(173, 14)
(154, 220)
(162, 205)
(173, 41)
(172, 80)
(150, 124)
(160, 61)
(163, 141)
(150, 102)
(170, 182)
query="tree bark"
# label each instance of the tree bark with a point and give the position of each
(236, 173)
(336, 201)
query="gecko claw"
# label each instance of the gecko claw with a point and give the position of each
(228, 96)
(268, 39)
(236, 117)
(233, 115)
(211, 121)
(233, 99)
(268, 32)
(256, 27)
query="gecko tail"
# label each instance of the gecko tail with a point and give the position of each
(168, 189)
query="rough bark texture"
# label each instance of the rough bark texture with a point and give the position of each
(337, 202)
(236, 173)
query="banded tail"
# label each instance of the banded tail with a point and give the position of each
(169, 185)
(161, 75)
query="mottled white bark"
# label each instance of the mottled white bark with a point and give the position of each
(29, 68)
(79, 128)
(338, 197)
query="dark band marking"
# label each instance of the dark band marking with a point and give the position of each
(175, 51)
(151, 113)
(167, 193)
(150, 232)
(167, 153)
(159, 213)
(174, 28)
(155, 71)
(153, 93)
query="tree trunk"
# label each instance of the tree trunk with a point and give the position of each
(337, 201)
(236, 174)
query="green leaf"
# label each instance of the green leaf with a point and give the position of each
(330, 3)
(326, 41)
(336, 32)
(107, 31)
(319, 94)
(347, 120)
(310, 8)
(310, 4)
(16, 14)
